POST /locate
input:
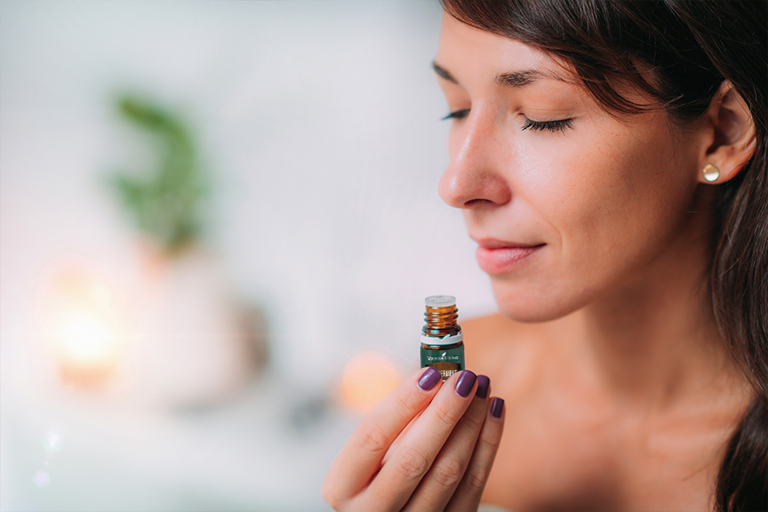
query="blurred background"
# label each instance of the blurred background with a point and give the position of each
(218, 223)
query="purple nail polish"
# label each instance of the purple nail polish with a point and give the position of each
(483, 383)
(497, 407)
(464, 383)
(429, 379)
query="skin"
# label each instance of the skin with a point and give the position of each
(418, 450)
(619, 391)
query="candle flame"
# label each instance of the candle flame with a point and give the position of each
(85, 339)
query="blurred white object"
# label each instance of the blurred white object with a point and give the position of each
(191, 346)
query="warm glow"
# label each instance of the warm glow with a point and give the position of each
(367, 378)
(83, 328)
(84, 339)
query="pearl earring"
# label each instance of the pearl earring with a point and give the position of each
(711, 173)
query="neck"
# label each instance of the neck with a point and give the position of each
(654, 340)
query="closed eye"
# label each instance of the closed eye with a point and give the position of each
(457, 114)
(552, 126)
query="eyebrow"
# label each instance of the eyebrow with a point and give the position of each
(443, 73)
(509, 79)
(519, 78)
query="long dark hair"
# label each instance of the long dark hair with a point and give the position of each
(693, 46)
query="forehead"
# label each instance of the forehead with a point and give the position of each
(472, 54)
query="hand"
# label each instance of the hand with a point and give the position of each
(427, 446)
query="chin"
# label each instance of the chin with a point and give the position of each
(531, 305)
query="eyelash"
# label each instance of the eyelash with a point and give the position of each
(457, 114)
(553, 126)
(536, 126)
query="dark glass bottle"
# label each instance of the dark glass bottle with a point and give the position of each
(442, 342)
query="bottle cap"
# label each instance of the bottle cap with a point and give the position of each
(440, 301)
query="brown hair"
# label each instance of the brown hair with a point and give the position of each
(692, 46)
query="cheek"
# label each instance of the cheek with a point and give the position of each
(611, 202)
(570, 185)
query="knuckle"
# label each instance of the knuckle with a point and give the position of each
(446, 416)
(373, 438)
(473, 421)
(448, 471)
(406, 404)
(402, 405)
(490, 444)
(475, 480)
(412, 463)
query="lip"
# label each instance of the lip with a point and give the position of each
(500, 257)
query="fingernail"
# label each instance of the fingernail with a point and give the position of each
(497, 407)
(429, 379)
(483, 383)
(464, 383)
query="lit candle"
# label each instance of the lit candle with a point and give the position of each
(83, 330)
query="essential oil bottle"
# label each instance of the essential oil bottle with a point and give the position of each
(442, 343)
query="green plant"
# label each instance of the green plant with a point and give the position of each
(167, 202)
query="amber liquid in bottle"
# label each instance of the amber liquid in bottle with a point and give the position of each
(442, 342)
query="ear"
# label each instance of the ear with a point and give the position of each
(730, 136)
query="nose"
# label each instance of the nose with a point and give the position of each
(475, 176)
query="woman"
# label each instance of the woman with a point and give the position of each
(610, 160)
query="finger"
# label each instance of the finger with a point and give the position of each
(399, 438)
(470, 490)
(408, 464)
(360, 457)
(442, 479)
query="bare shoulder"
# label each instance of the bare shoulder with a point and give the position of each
(490, 328)
(492, 331)
(501, 348)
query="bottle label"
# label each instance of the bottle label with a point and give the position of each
(447, 362)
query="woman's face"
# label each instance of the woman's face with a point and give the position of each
(567, 202)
